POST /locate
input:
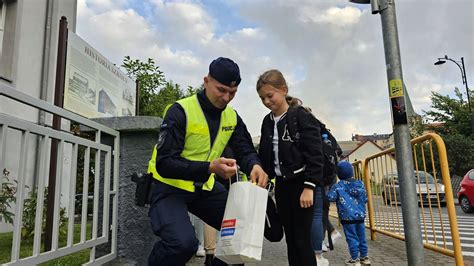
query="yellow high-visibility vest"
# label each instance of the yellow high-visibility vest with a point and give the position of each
(197, 144)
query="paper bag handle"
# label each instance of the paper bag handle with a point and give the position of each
(270, 186)
(236, 176)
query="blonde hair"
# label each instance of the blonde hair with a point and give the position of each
(293, 101)
(274, 78)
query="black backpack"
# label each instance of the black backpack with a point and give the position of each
(330, 151)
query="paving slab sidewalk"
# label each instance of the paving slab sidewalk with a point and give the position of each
(384, 251)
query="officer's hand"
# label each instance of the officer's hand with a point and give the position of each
(257, 175)
(306, 198)
(223, 167)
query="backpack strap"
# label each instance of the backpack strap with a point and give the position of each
(292, 120)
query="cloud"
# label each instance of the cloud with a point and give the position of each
(331, 52)
(110, 30)
(184, 20)
(333, 16)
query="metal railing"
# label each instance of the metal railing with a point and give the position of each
(433, 186)
(358, 167)
(98, 170)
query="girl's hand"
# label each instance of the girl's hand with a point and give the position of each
(258, 176)
(306, 198)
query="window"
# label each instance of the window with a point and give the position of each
(8, 13)
(3, 12)
(471, 175)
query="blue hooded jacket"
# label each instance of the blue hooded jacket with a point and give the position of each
(350, 197)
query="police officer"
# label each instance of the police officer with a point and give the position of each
(194, 133)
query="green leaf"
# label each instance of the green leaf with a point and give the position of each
(454, 126)
(155, 92)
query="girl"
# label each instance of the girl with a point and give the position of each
(296, 162)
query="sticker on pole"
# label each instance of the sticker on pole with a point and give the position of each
(396, 88)
(399, 111)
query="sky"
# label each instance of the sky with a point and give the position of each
(331, 52)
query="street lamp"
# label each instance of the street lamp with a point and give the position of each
(442, 60)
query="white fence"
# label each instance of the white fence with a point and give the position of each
(95, 163)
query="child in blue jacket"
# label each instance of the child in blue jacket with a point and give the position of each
(350, 197)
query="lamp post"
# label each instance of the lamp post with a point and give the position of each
(442, 60)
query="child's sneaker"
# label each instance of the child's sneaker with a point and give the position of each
(352, 262)
(200, 252)
(321, 261)
(335, 235)
(365, 260)
(324, 247)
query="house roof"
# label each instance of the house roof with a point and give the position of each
(360, 145)
(347, 146)
(434, 125)
(358, 137)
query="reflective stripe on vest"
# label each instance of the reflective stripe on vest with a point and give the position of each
(197, 144)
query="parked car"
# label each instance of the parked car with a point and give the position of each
(427, 188)
(466, 193)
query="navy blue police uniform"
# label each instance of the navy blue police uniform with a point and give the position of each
(170, 205)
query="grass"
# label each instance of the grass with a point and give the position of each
(26, 248)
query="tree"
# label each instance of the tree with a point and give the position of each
(416, 126)
(169, 94)
(455, 129)
(460, 153)
(155, 92)
(453, 113)
(150, 78)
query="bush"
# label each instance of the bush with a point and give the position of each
(29, 215)
(7, 197)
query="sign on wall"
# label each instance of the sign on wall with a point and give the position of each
(94, 86)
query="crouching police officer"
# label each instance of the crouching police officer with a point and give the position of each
(194, 133)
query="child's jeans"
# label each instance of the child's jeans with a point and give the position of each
(317, 229)
(355, 237)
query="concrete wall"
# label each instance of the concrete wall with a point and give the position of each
(367, 149)
(138, 135)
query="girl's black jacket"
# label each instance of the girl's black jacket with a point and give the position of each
(298, 159)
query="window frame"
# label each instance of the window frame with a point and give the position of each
(3, 13)
(9, 12)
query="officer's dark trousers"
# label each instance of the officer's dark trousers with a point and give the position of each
(170, 221)
(296, 221)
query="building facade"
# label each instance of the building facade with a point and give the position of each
(28, 49)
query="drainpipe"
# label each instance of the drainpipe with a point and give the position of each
(44, 78)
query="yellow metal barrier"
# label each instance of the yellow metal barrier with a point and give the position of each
(358, 172)
(433, 184)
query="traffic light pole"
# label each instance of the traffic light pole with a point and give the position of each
(403, 151)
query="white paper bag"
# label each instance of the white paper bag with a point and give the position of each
(241, 236)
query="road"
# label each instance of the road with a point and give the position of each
(436, 223)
